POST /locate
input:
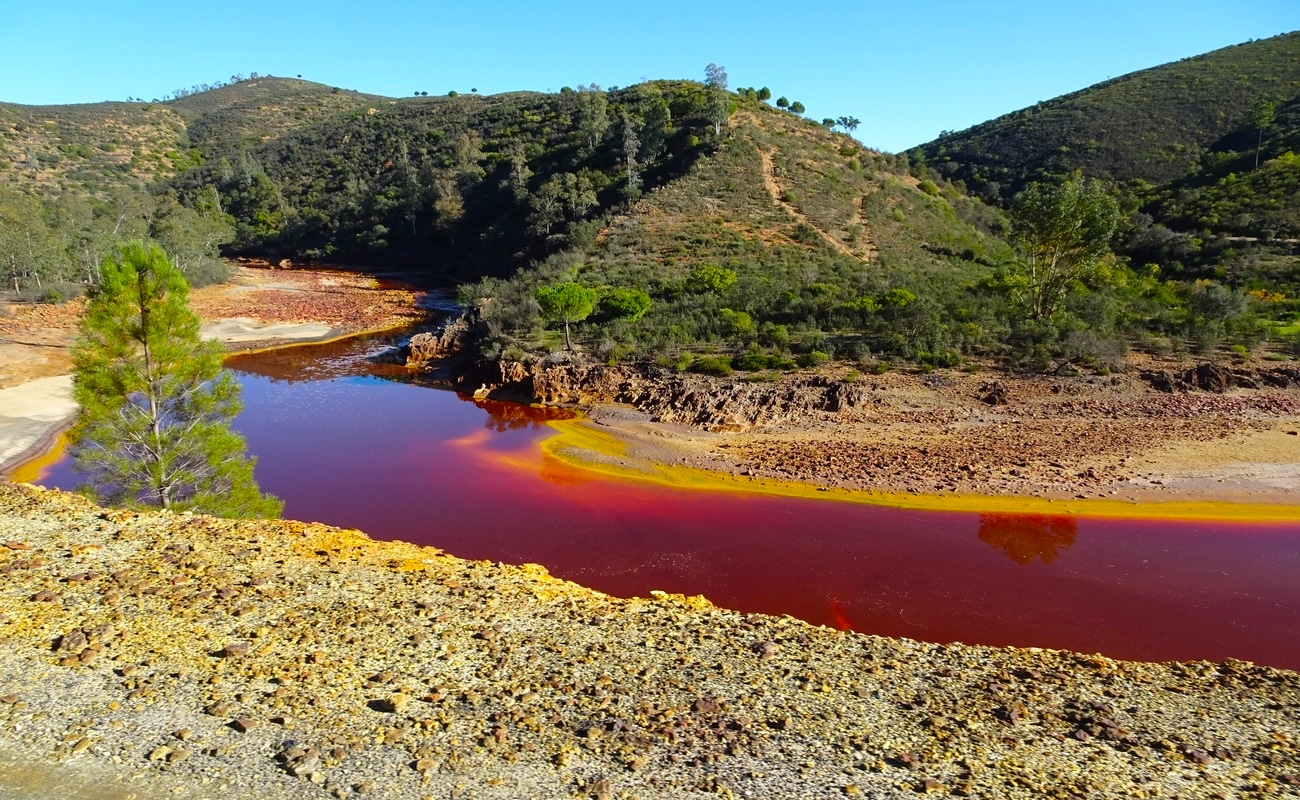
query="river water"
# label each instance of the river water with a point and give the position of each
(355, 443)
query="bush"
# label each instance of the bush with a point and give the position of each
(708, 278)
(628, 304)
(752, 362)
(814, 359)
(719, 366)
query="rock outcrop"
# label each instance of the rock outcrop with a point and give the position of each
(1219, 379)
(439, 344)
(714, 404)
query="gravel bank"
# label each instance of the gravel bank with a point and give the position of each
(157, 654)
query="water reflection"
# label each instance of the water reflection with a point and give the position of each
(1025, 538)
(502, 417)
(374, 355)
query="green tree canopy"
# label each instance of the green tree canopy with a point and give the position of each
(1062, 229)
(629, 304)
(154, 425)
(710, 278)
(566, 302)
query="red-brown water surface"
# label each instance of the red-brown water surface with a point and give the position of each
(356, 444)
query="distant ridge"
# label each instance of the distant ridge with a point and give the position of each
(1153, 125)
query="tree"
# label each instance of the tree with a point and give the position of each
(849, 124)
(764, 94)
(628, 304)
(782, 102)
(154, 425)
(797, 107)
(719, 104)
(1062, 230)
(592, 115)
(520, 173)
(1260, 117)
(649, 104)
(631, 148)
(566, 302)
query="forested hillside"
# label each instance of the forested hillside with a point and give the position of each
(753, 228)
(76, 180)
(1154, 125)
(681, 222)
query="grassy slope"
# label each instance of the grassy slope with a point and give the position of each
(89, 148)
(831, 212)
(253, 111)
(96, 147)
(1229, 196)
(1154, 124)
(834, 222)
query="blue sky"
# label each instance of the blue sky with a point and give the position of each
(907, 70)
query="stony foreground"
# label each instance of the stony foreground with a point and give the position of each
(155, 655)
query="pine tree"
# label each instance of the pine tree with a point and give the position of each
(154, 427)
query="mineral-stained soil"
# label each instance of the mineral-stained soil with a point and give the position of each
(1141, 436)
(152, 654)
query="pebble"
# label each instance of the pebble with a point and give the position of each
(667, 696)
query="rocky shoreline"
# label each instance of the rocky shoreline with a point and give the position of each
(154, 654)
(1158, 432)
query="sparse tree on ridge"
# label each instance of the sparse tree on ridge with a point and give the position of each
(655, 116)
(797, 107)
(592, 115)
(719, 104)
(1261, 116)
(849, 124)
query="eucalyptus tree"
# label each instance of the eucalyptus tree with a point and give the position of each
(1063, 230)
(718, 107)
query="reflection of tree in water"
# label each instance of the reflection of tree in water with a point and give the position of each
(502, 417)
(343, 358)
(1025, 537)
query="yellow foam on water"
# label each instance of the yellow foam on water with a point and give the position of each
(581, 445)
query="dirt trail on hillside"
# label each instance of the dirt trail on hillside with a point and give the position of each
(865, 251)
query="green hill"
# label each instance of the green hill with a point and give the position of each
(95, 148)
(806, 225)
(703, 229)
(1154, 125)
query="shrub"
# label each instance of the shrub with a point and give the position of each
(752, 362)
(708, 278)
(814, 359)
(628, 304)
(712, 365)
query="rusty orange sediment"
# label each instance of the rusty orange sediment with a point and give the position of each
(580, 446)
